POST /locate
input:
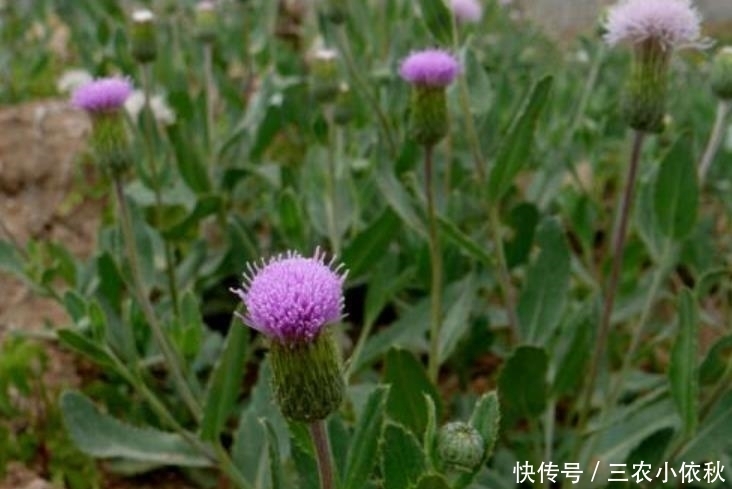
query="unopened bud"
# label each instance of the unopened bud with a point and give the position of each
(206, 21)
(324, 75)
(460, 446)
(143, 38)
(644, 104)
(110, 142)
(306, 378)
(722, 74)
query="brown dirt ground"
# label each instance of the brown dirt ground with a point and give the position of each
(42, 197)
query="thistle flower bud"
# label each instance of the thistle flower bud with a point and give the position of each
(206, 21)
(429, 72)
(103, 100)
(291, 299)
(142, 35)
(343, 111)
(460, 446)
(467, 11)
(722, 74)
(324, 75)
(654, 28)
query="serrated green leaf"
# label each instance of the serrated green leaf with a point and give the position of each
(402, 459)
(522, 383)
(364, 448)
(676, 193)
(544, 296)
(409, 383)
(486, 419)
(224, 383)
(102, 436)
(516, 145)
(683, 369)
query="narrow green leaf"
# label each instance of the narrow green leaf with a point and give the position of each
(716, 361)
(544, 296)
(464, 242)
(398, 199)
(683, 369)
(10, 259)
(486, 419)
(224, 383)
(522, 384)
(437, 19)
(482, 94)
(205, 206)
(366, 248)
(402, 459)
(457, 323)
(364, 448)
(713, 435)
(102, 436)
(409, 383)
(273, 450)
(676, 194)
(515, 147)
(82, 344)
(291, 218)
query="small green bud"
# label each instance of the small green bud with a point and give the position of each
(343, 111)
(324, 75)
(143, 38)
(722, 74)
(644, 104)
(306, 378)
(206, 21)
(110, 143)
(428, 120)
(460, 446)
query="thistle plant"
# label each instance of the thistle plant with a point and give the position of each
(430, 72)
(292, 300)
(654, 29)
(467, 11)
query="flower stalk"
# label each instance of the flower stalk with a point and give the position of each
(319, 436)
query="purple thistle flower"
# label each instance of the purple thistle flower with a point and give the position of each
(672, 23)
(467, 11)
(291, 298)
(431, 67)
(102, 94)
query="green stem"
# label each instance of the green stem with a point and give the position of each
(155, 180)
(330, 183)
(504, 276)
(171, 357)
(365, 88)
(715, 138)
(322, 452)
(617, 257)
(210, 90)
(436, 262)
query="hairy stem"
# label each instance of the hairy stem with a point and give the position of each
(322, 452)
(715, 138)
(138, 289)
(436, 263)
(612, 284)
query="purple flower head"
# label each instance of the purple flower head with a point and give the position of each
(672, 23)
(467, 11)
(102, 94)
(291, 298)
(431, 67)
